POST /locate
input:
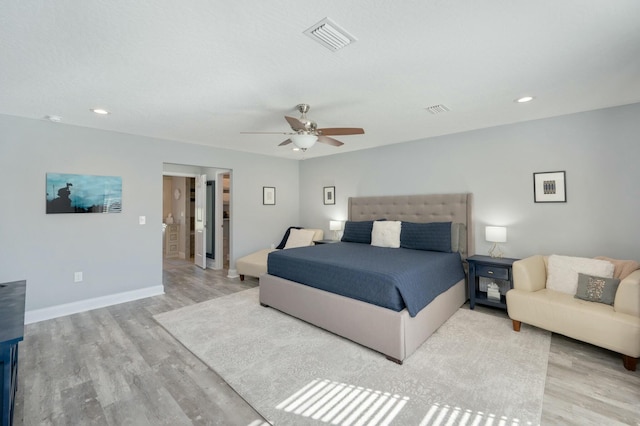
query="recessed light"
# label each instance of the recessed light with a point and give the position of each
(100, 111)
(54, 118)
(295, 149)
(524, 99)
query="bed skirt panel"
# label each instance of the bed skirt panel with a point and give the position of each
(394, 334)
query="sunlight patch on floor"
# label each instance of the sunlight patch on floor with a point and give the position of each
(348, 405)
(342, 404)
(446, 415)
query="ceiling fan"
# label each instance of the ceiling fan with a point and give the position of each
(306, 133)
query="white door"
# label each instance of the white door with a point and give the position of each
(200, 255)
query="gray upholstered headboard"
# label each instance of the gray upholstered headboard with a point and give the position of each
(455, 208)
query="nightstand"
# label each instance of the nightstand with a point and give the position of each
(488, 267)
(326, 242)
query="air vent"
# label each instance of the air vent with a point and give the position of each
(330, 35)
(437, 109)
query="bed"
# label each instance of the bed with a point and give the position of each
(396, 334)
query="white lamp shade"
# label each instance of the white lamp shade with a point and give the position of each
(495, 234)
(335, 225)
(303, 141)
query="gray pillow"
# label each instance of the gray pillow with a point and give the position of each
(597, 289)
(458, 238)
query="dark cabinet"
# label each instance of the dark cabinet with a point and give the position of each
(488, 267)
(12, 297)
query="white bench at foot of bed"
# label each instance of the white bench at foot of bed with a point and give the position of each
(395, 334)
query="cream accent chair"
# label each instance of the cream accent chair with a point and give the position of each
(616, 327)
(255, 264)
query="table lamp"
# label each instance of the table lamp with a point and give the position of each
(335, 226)
(495, 235)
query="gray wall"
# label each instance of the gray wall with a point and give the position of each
(599, 150)
(114, 252)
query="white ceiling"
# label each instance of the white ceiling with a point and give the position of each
(202, 71)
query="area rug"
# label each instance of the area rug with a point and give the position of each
(473, 370)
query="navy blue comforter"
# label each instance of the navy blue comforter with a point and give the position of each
(394, 278)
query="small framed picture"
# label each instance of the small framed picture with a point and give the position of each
(269, 195)
(549, 187)
(329, 194)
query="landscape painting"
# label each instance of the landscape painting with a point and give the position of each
(69, 193)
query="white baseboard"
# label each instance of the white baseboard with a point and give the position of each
(232, 273)
(43, 314)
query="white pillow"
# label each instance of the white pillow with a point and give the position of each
(562, 271)
(386, 233)
(299, 238)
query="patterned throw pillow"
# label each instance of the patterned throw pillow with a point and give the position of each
(597, 289)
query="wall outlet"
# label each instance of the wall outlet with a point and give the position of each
(77, 277)
(273, 245)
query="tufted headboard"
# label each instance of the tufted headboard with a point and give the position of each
(455, 208)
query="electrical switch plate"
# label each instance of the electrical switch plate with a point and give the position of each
(142, 220)
(77, 277)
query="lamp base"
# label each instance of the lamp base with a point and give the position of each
(495, 251)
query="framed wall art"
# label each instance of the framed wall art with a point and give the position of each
(549, 187)
(69, 193)
(269, 195)
(329, 194)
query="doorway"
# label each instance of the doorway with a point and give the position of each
(206, 222)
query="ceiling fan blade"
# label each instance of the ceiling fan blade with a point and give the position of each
(295, 123)
(287, 142)
(335, 131)
(329, 141)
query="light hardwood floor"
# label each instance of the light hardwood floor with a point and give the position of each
(117, 366)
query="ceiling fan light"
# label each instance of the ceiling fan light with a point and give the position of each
(303, 141)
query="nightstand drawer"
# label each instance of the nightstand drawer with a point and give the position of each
(496, 272)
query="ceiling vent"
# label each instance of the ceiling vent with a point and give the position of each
(330, 35)
(437, 109)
